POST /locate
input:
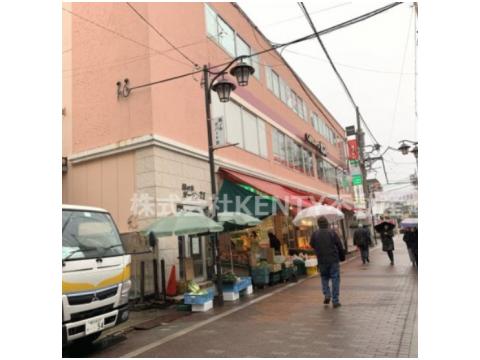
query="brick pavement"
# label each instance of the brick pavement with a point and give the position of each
(378, 319)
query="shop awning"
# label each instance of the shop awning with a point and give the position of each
(234, 197)
(281, 192)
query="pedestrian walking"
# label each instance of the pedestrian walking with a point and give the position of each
(386, 235)
(330, 252)
(411, 242)
(363, 240)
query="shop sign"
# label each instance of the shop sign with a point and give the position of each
(355, 167)
(352, 149)
(218, 125)
(316, 144)
(357, 180)
(350, 130)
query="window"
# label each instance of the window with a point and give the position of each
(308, 162)
(290, 146)
(298, 157)
(250, 132)
(256, 66)
(294, 98)
(226, 36)
(243, 49)
(283, 91)
(320, 168)
(242, 126)
(275, 84)
(268, 75)
(279, 148)
(262, 138)
(234, 123)
(211, 20)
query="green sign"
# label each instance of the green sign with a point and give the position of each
(357, 179)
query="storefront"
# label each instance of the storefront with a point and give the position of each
(276, 205)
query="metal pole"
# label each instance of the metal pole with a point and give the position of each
(342, 222)
(164, 285)
(211, 159)
(361, 145)
(155, 279)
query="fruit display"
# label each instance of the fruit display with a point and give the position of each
(194, 288)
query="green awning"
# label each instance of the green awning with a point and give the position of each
(243, 198)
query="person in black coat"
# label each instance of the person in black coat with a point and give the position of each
(362, 239)
(274, 242)
(411, 240)
(329, 251)
(386, 235)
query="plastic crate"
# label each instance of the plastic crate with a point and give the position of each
(193, 299)
(275, 277)
(240, 285)
(202, 307)
(260, 276)
(287, 273)
(300, 265)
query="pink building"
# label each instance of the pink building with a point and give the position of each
(123, 152)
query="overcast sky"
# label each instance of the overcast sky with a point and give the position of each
(368, 55)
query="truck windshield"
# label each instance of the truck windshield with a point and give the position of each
(88, 234)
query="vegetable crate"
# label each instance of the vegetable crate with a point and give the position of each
(275, 277)
(260, 276)
(240, 285)
(193, 299)
(288, 273)
(300, 265)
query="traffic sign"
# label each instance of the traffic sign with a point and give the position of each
(357, 179)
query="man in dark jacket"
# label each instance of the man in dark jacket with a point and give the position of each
(329, 251)
(362, 239)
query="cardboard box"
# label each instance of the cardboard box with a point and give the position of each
(189, 273)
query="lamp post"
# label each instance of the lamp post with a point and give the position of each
(223, 88)
(342, 222)
(404, 148)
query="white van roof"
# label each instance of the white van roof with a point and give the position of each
(82, 208)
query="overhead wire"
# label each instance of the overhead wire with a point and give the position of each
(121, 35)
(342, 82)
(295, 41)
(397, 97)
(162, 36)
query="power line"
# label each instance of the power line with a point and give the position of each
(345, 88)
(392, 127)
(315, 12)
(296, 41)
(122, 36)
(348, 66)
(162, 36)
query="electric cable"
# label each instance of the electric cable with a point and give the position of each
(122, 36)
(344, 85)
(162, 36)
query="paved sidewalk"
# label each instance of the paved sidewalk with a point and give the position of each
(378, 319)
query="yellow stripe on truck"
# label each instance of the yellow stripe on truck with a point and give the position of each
(69, 287)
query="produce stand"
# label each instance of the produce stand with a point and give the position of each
(199, 300)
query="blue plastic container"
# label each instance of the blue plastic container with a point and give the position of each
(240, 285)
(192, 299)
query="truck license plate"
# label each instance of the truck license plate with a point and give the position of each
(94, 325)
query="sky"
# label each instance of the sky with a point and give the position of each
(376, 59)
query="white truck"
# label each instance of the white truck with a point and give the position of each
(95, 274)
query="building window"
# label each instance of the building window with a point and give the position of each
(256, 66)
(275, 84)
(211, 20)
(242, 126)
(308, 162)
(226, 36)
(233, 120)
(243, 49)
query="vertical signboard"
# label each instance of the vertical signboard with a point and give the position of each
(218, 130)
(352, 149)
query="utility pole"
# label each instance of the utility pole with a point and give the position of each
(361, 146)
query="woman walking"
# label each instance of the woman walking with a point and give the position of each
(386, 235)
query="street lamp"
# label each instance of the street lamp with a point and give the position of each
(223, 88)
(404, 148)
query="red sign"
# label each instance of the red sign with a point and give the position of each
(352, 149)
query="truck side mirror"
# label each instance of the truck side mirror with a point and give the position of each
(152, 240)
